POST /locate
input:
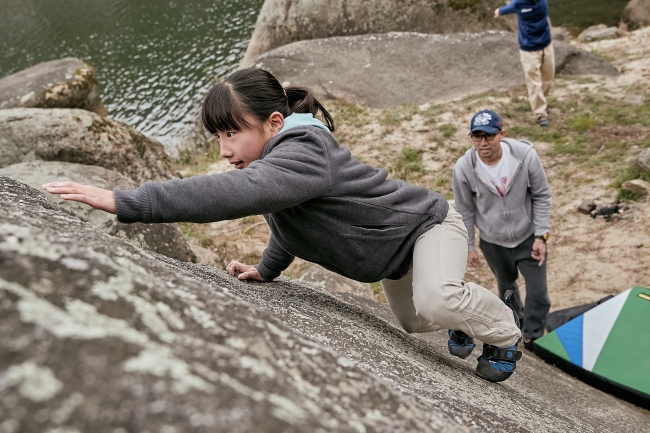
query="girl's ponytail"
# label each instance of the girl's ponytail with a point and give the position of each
(255, 93)
(303, 100)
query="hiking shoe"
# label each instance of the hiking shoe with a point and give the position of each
(460, 344)
(542, 120)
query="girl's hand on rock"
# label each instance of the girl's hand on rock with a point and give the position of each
(98, 198)
(246, 272)
(497, 14)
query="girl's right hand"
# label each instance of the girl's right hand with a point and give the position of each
(246, 272)
(98, 198)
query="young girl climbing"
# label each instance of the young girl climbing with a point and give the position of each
(325, 206)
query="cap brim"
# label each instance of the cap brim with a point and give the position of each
(488, 129)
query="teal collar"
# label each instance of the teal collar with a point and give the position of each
(302, 119)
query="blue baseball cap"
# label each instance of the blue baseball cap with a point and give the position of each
(486, 121)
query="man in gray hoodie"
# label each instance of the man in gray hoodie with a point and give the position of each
(500, 186)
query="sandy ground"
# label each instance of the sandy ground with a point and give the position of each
(588, 258)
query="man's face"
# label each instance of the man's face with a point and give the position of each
(487, 145)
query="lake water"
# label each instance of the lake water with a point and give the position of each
(156, 58)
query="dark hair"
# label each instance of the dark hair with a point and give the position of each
(257, 93)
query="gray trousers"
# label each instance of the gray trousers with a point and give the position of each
(433, 295)
(505, 264)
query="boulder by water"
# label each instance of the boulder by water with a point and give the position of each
(101, 336)
(597, 32)
(79, 136)
(384, 70)
(281, 22)
(636, 14)
(166, 239)
(61, 83)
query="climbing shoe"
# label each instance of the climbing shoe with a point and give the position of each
(460, 344)
(495, 364)
(542, 120)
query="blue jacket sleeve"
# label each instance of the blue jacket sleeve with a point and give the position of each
(509, 9)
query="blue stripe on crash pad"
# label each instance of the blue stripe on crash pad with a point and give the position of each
(570, 335)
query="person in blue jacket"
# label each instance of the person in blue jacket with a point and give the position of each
(536, 51)
(327, 207)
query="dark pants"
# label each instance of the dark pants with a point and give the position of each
(504, 263)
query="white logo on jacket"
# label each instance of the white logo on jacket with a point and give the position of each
(523, 11)
(482, 119)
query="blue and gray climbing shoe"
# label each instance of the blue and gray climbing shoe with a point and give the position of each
(495, 364)
(460, 344)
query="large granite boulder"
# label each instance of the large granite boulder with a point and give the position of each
(62, 83)
(79, 136)
(636, 14)
(383, 70)
(281, 22)
(166, 239)
(97, 335)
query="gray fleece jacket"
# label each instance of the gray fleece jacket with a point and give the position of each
(321, 204)
(507, 221)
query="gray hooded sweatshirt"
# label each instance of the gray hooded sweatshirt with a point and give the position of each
(321, 204)
(506, 221)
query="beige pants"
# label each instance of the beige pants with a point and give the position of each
(539, 70)
(433, 295)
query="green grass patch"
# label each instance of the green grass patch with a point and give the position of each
(394, 116)
(582, 122)
(409, 165)
(447, 130)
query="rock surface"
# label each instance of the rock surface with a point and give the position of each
(62, 83)
(636, 14)
(597, 32)
(166, 239)
(333, 282)
(643, 159)
(98, 335)
(637, 186)
(281, 22)
(79, 136)
(383, 70)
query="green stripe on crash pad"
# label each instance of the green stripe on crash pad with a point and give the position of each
(625, 357)
(552, 343)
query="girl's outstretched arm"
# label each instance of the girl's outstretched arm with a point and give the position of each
(98, 198)
(246, 272)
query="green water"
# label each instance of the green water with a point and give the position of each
(584, 13)
(156, 58)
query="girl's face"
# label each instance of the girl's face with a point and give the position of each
(242, 147)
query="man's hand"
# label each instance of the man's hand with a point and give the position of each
(473, 260)
(98, 198)
(246, 272)
(539, 251)
(496, 13)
